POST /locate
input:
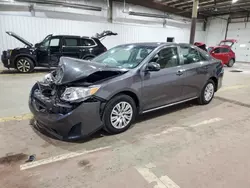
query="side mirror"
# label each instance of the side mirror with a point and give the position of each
(153, 66)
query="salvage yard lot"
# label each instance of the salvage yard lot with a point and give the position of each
(183, 146)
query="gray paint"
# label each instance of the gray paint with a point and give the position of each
(154, 89)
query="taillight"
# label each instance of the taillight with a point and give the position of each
(105, 49)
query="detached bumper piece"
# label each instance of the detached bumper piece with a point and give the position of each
(64, 121)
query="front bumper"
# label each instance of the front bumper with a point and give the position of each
(79, 123)
(6, 61)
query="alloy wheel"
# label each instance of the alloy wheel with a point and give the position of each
(231, 63)
(209, 92)
(23, 65)
(121, 115)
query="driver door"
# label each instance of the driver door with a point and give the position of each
(165, 86)
(49, 53)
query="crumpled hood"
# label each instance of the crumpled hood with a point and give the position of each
(71, 70)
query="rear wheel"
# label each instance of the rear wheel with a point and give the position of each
(231, 63)
(119, 114)
(207, 93)
(24, 65)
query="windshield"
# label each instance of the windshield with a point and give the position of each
(210, 49)
(45, 43)
(128, 56)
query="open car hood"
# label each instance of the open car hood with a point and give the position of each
(19, 38)
(72, 70)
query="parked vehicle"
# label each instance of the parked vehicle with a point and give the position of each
(81, 97)
(222, 52)
(201, 45)
(48, 52)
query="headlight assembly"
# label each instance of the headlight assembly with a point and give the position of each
(72, 94)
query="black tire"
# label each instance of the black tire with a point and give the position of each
(108, 110)
(231, 63)
(24, 65)
(202, 99)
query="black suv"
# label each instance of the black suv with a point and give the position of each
(48, 52)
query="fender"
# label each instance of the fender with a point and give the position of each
(88, 55)
(26, 55)
(130, 91)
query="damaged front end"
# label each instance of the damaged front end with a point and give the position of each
(64, 103)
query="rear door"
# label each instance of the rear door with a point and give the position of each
(71, 47)
(195, 67)
(88, 48)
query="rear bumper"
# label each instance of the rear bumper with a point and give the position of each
(79, 123)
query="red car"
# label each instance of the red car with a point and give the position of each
(223, 52)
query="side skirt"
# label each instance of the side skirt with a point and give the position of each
(171, 104)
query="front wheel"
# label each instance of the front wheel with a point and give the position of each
(24, 65)
(119, 114)
(231, 63)
(207, 93)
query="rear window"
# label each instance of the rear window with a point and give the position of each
(87, 42)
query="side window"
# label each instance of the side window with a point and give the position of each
(217, 50)
(224, 50)
(87, 42)
(190, 55)
(167, 57)
(54, 42)
(71, 42)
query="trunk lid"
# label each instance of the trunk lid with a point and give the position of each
(228, 42)
(19, 38)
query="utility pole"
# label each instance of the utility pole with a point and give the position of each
(194, 19)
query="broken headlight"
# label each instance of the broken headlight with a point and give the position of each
(72, 94)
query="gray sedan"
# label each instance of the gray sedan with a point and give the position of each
(81, 97)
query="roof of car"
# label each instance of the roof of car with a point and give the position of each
(77, 36)
(150, 44)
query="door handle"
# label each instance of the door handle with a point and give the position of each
(180, 72)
